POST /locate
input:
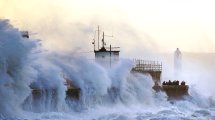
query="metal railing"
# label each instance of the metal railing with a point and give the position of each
(145, 65)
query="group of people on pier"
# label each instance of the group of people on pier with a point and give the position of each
(175, 82)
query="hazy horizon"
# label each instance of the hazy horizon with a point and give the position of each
(137, 26)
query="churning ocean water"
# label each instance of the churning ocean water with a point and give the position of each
(23, 61)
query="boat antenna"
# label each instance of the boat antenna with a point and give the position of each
(98, 37)
(94, 45)
(103, 39)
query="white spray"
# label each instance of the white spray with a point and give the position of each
(15, 72)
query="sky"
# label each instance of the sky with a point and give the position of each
(139, 27)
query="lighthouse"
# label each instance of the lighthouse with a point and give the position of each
(105, 56)
(177, 63)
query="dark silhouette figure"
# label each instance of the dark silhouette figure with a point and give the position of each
(169, 83)
(183, 83)
(175, 82)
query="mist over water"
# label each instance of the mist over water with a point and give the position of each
(24, 63)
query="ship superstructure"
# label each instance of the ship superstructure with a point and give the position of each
(105, 56)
